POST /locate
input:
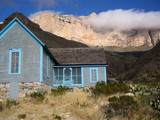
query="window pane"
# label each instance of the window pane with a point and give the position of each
(12, 70)
(17, 54)
(60, 71)
(56, 81)
(17, 64)
(73, 79)
(78, 71)
(16, 70)
(60, 79)
(67, 72)
(79, 81)
(59, 76)
(94, 75)
(13, 63)
(73, 71)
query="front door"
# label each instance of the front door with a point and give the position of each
(67, 76)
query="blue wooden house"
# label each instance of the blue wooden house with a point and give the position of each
(25, 58)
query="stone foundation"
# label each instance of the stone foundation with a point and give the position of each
(24, 89)
(4, 91)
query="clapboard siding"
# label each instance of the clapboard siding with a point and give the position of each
(47, 80)
(87, 75)
(17, 38)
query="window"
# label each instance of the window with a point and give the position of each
(93, 74)
(48, 67)
(76, 76)
(14, 61)
(58, 76)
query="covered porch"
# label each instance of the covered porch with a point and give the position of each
(68, 76)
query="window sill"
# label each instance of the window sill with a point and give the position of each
(14, 73)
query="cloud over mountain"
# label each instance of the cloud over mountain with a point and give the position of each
(122, 20)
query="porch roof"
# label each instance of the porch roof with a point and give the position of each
(79, 56)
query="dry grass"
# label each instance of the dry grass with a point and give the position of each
(65, 106)
(75, 105)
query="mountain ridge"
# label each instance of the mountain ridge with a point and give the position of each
(74, 28)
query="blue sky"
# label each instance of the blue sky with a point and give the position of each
(74, 7)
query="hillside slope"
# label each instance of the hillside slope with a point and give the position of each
(147, 67)
(120, 62)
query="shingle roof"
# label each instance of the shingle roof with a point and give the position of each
(79, 56)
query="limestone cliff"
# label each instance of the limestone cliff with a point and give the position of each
(73, 28)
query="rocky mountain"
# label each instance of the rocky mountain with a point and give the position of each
(49, 39)
(74, 28)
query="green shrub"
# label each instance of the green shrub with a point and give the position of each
(57, 117)
(21, 116)
(59, 91)
(144, 90)
(38, 96)
(155, 103)
(1, 107)
(10, 103)
(107, 89)
(122, 106)
(113, 99)
(128, 102)
(7, 104)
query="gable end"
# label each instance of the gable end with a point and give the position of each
(16, 21)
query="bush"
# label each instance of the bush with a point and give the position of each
(7, 104)
(113, 99)
(38, 96)
(10, 103)
(57, 117)
(121, 106)
(1, 107)
(144, 90)
(59, 91)
(107, 89)
(21, 116)
(155, 103)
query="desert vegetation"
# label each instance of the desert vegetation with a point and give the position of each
(113, 101)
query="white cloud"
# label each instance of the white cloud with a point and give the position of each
(122, 20)
(39, 12)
